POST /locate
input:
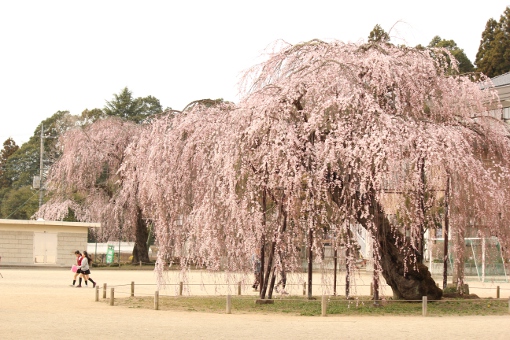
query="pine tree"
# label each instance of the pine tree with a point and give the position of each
(493, 56)
(503, 43)
(378, 35)
(9, 148)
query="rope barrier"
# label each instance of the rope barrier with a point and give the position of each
(325, 301)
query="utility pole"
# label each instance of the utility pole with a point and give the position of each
(41, 168)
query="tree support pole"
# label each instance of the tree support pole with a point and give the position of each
(446, 232)
(335, 262)
(310, 266)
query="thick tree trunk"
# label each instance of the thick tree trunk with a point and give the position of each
(267, 285)
(264, 285)
(141, 250)
(408, 279)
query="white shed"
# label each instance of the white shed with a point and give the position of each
(41, 243)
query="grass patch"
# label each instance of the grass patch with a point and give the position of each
(296, 305)
(123, 266)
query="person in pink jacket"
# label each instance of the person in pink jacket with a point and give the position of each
(79, 257)
(85, 269)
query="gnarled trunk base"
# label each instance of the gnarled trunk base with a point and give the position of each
(411, 285)
(408, 279)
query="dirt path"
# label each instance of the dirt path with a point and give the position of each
(39, 304)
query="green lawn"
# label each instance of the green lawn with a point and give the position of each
(336, 306)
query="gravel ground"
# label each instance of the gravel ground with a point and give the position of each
(39, 304)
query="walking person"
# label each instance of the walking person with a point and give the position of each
(255, 258)
(85, 269)
(283, 276)
(282, 282)
(79, 257)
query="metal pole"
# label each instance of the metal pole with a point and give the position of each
(41, 168)
(335, 259)
(483, 259)
(310, 254)
(376, 288)
(446, 231)
(119, 250)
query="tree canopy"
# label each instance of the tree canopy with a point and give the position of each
(329, 136)
(464, 64)
(9, 148)
(493, 56)
(20, 167)
(136, 109)
(85, 180)
(378, 35)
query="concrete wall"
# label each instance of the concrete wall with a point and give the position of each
(16, 247)
(22, 242)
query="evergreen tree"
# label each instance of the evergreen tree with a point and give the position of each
(378, 35)
(465, 65)
(10, 147)
(493, 56)
(21, 164)
(135, 109)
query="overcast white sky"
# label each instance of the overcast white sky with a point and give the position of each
(74, 55)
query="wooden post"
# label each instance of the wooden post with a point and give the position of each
(156, 300)
(424, 305)
(497, 292)
(104, 290)
(239, 288)
(132, 288)
(140, 263)
(112, 296)
(229, 304)
(304, 288)
(376, 288)
(180, 288)
(97, 293)
(324, 305)
(371, 289)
